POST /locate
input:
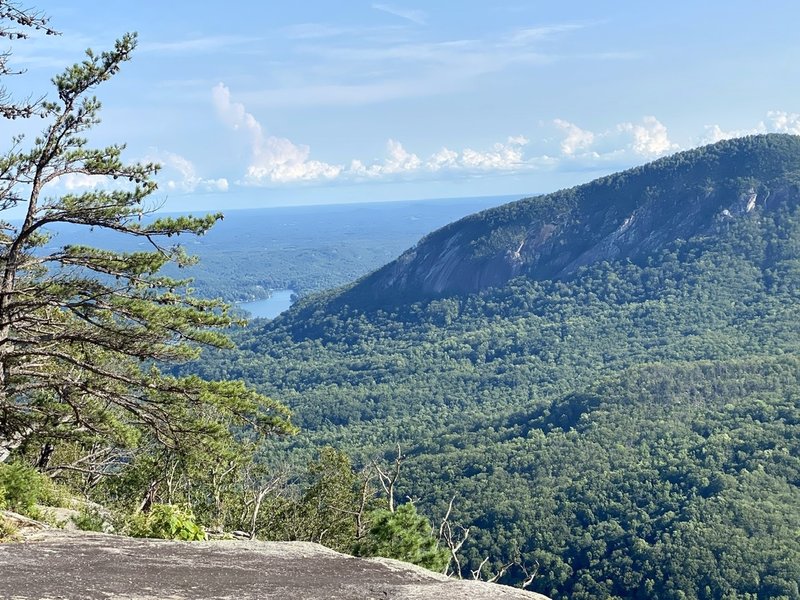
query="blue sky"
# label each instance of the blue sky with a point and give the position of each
(274, 103)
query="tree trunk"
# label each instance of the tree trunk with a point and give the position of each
(44, 456)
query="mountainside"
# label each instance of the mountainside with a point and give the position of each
(629, 428)
(628, 215)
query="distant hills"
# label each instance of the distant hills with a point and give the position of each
(303, 248)
(605, 378)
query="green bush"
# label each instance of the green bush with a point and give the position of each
(53, 494)
(90, 519)
(20, 487)
(404, 535)
(168, 522)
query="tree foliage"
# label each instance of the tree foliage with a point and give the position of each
(84, 330)
(405, 535)
(631, 432)
(17, 23)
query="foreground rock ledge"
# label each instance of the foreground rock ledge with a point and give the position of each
(57, 564)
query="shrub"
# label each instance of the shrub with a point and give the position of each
(168, 522)
(90, 519)
(404, 535)
(53, 494)
(21, 487)
(8, 531)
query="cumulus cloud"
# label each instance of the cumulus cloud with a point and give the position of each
(505, 156)
(177, 174)
(784, 122)
(81, 181)
(575, 138)
(398, 160)
(715, 133)
(273, 159)
(777, 121)
(182, 175)
(649, 137)
(502, 157)
(443, 159)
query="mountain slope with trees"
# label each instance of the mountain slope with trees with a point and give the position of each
(628, 428)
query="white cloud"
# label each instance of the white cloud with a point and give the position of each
(502, 156)
(273, 159)
(180, 175)
(398, 161)
(81, 181)
(443, 159)
(715, 133)
(220, 185)
(415, 16)
(777, 121)
(649, 137)
(784, 122)
(576, 138)
(177, 174)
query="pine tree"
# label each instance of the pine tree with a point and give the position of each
(84, 330)
(17, 24)
(405, 535)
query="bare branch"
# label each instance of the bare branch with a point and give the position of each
(453, 541)
(389, 479)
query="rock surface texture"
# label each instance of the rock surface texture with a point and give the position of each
(56, 564)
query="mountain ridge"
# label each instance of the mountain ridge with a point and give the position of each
(627, 215)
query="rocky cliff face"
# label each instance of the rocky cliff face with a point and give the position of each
(629, 215)
(63, 564)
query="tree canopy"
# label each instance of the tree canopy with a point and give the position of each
(629, 432)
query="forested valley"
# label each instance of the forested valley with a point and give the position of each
(589, 394)
(630, 431)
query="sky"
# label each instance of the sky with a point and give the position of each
(266, 103)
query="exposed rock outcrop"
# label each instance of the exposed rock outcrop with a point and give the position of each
(630, 215)
(63, 564)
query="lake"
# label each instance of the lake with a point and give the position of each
(269, 308)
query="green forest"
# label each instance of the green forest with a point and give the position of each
(630, 432)
(625, 427)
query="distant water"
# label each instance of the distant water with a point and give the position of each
(271, 307)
